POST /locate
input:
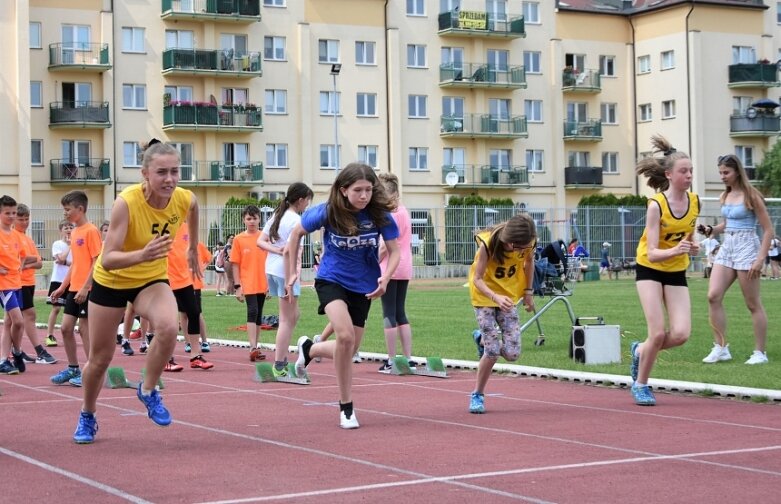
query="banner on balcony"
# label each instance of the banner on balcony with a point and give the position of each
(472, 20)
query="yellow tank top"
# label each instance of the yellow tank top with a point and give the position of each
(144, 223)
(672, 230)
(508, 279)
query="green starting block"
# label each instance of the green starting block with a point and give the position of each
(264, 373)
(159, 385)
(115, 378)
(435, 368)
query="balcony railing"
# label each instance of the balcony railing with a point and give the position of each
(81, 170)
(211, 117)
(483, 125)
(589, 131)
(480, 75)
(211, 62)
(585, 81)
(761, 125)
(220, 172)
(487, 175)
(464, 23)
(238, 11)
(79, 115)
(583, 176)
(79, 56)
(753, 75)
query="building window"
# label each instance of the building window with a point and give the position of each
(367, 105)
(643, 64)
(179, 39)
(37, 152)
(36, 94)
(329, 103)
(368, 154)
(740, 104)
(179, 93)
(533, 110)
(778, 12)
(608, 113)
(579, 158)
(607, 66)
(535, 161)
(668, 109)
(418, 158)
(235, 96)
(668, 60)
(35, 35)
(132, 154)
(276, 101)
(610, 162)
(133, 40)
(645, 112)
(327, 156)
(274, 48)
(531, 12)
(746, 155)
(365, 53)
(134, 96)
(417, 106)
(416, 8)
(273, 3)
(531, 61)
(186, 158)
(416, 56)
(276, 155)
(743, 54)
(328, 51)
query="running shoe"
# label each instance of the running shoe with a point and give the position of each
(119, 339)
(757, 357)
(279, 373)
(357, 358)
(45, 358)
(19, 362)
(154, 407)
(187, 348)
(65, 375)
(198, 362)
(634, 366)
(303, 344)
(51, 340)
(476, 403)
(316, 339)
(346, 422)
(7, 368)
(86, 428)
(205, 347)
(143, 348)
(477, 336)
(717, 354)
(26, 357)
(76, 381)
(386, 367)
(172, 367)
(254, 354)
(136, 334)
(643, 395)
(127, 349)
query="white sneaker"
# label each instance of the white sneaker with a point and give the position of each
(357, 358)
(757, 357)
(301, 359)
(316, 339)
(717, 354)
(348, 423)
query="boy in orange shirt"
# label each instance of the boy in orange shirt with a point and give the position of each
(86, 245)
(249, 272)
(205, 257)
(12, 255)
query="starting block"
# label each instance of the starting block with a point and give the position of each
(434, 367)
(115, 378)
(264, 373)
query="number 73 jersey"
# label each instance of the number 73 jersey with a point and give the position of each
(507, 279)
(672, 229)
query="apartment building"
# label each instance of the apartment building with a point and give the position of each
(541, 101)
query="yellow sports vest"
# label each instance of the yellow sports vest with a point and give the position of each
(672, 230)
(144, 223)
(508, 279)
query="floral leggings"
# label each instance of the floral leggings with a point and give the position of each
(495, 324)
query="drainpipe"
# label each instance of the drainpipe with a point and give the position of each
(688, 80)
(114, 94)
(634, 99)
(387, 94)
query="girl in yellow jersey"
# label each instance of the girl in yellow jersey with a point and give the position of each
(662, 260)
(501, 275)
(133, 268)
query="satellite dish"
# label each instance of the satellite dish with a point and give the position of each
(751, 113)
(451, 179)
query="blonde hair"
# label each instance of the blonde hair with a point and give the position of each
(655, 168)
(518, 229)
(157, 149)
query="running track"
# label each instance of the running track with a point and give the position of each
(235, 440)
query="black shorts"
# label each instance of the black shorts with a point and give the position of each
(357, 304)
(776, 258)
(116, 298)
(675, 278)
(28, 294)
(53, 286)
(73, 308)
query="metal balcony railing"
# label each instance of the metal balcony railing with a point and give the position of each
(211, 61)
(226, 10)
(483, 125)
(481, 24)
(481, 75)
(761, 124)
(487, 175)
(79, 55)
(208, 116)
(80, 170)
(758, 75)
(588, 81)
(79, 114)
(583, 176)
(589, 130)
(220, 171)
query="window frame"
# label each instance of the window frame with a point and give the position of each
(536, 20)
(134, 88)
(38, 141)
(275, 3)
(536, 109)
(364, 44)
(613, 157)
(324, 50)
(334, 105)
(669, 65)
(645, 112)
(39, 35)
(414, 5)
(414, 53)
(418, 100)
(537, 157)
(39, 94)
(645, 58)
(365, 154)
(276, 94)
(533, 57)
(605, 108)
(277, 44)
(133, 31)
(332, 154)
(419, 153)
(139, 154)
(607, 62)
(368, 99)
(743, 152)
(277, 150)
(668, 104)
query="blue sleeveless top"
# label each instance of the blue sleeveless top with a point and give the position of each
(738, 217)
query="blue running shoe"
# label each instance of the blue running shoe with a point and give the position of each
(634, 367)
(187, 348)
(480, 348)
(75, 381)
(65, 375)
(476, 404)
(86, 428)
(643, 395)
(154, 407)
(205, 348)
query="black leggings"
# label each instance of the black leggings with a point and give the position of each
(187, 303)
(393, 302)
(255, 307)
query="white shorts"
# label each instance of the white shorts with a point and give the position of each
(739, 250)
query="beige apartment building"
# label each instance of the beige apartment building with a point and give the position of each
(540, 101)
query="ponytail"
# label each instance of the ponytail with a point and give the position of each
(295, 192)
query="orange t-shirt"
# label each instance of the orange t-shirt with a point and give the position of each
(28, 275)
(204, 257)
(11, 251)
(179, 274)
(251, 261)
(85, 247)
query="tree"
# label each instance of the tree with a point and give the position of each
(769, 172)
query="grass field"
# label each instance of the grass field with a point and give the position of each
(443, 320)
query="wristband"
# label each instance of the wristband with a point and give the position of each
(528, 290)
(237, 286)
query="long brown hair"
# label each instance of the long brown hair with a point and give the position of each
(751, 195)
(655, 168)
(341, 216)
(518, 229)
(295, 192)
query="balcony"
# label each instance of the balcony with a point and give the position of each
(78, 57)
(583, 177)
(487, 176)
(212, 62)
(482, 126)
(90, 115)
(210, 117)
(227, 11)
(81, 171)
(206, 173)
(588, 131)
(463, 23)
(481, 75)
(574, 81)
(758, 124)
(753, 75)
